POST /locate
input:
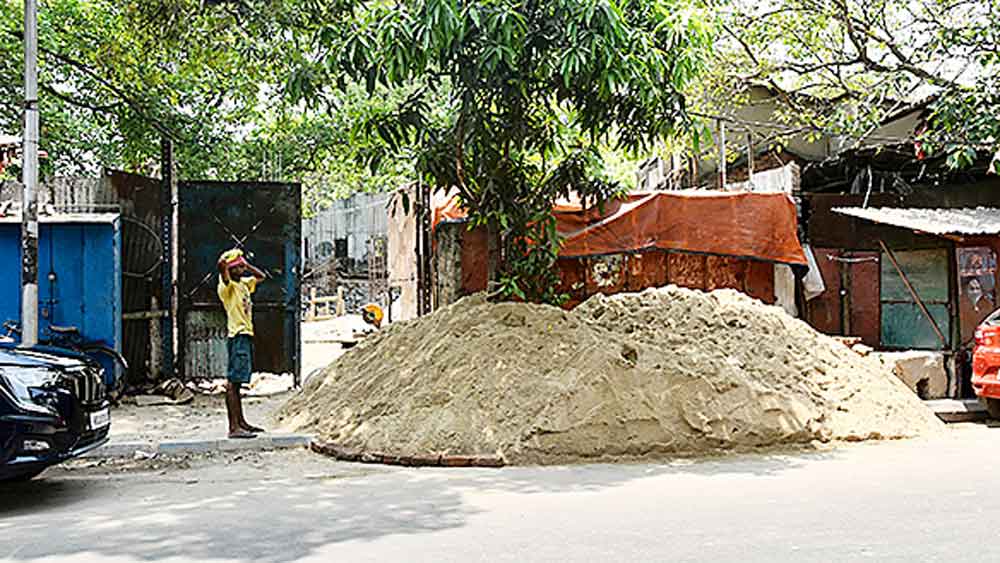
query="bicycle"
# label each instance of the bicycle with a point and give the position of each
(69, 338)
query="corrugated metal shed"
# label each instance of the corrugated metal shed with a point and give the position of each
(345, 229)
(935, 221)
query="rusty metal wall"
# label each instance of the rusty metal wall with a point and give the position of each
(865, 287)
(68, 195)
(264, 219)
(142, 260)
(584, 277)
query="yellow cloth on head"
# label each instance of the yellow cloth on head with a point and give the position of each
(236, 300)
(230, 255)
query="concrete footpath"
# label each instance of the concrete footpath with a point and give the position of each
(194, 428)
(200, 426)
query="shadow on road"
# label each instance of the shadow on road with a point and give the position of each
(237, 513)
(41, 495)
(269, 520)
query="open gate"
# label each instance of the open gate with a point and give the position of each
(264, 219)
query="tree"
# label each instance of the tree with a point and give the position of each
(531, 90)
(116, 77)
(843, 66)
(113, 83)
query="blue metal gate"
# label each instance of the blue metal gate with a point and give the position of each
(264, 219)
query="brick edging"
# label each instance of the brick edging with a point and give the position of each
(345, 454)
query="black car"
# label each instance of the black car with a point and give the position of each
(53, 407)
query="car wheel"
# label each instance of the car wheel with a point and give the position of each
(992, 407)
(28, 476)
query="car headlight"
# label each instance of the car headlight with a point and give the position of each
(28, 385)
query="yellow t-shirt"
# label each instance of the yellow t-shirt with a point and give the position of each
(239, 307)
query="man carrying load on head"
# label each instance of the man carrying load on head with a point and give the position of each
(237, 282)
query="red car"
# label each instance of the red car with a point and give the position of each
(986, 364)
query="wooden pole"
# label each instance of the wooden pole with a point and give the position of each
(155, 350)
(312, 304)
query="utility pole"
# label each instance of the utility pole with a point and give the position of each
(29, 204)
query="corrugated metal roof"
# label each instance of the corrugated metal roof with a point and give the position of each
(935, 221)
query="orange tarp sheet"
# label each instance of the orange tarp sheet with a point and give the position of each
(760, 226)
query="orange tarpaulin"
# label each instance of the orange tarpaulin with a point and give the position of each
(759, 226)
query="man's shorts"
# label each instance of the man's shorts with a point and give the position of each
(240, 348)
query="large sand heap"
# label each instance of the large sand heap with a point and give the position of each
(668, 371)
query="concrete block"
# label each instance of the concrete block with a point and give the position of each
(189, 447)
(923, 372)
(259, 443)
(283, 441)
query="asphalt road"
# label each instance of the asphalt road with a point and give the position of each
(925, 500)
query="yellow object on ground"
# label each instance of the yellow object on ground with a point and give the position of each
(372, 314)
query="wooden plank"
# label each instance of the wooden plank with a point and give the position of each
(144, 315)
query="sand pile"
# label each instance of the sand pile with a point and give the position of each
(668, 371)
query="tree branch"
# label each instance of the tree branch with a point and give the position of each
(107, 109)
(158, 125)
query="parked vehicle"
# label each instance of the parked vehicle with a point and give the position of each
(986, 364)
(53, 407)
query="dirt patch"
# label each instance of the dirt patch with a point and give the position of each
(664, 372)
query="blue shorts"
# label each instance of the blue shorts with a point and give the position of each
(240, 348)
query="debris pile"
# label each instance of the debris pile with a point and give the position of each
(665, 372)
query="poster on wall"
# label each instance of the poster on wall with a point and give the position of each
(977, 267)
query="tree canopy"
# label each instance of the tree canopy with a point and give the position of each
(511, 103)
(846, 65)
(215, 77)
(527, 94)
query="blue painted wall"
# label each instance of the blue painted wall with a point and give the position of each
(79, 279)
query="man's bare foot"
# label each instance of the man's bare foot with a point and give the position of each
(241, 435)
(251, 428)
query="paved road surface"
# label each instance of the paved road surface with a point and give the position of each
(927, 500)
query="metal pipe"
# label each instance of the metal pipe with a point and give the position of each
(29, 203)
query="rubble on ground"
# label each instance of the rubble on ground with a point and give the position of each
(665, 372)
(261, 384)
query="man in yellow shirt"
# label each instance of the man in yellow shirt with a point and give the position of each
(237, 281)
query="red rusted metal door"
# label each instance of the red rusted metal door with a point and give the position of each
(863, 295)
(824, 311)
